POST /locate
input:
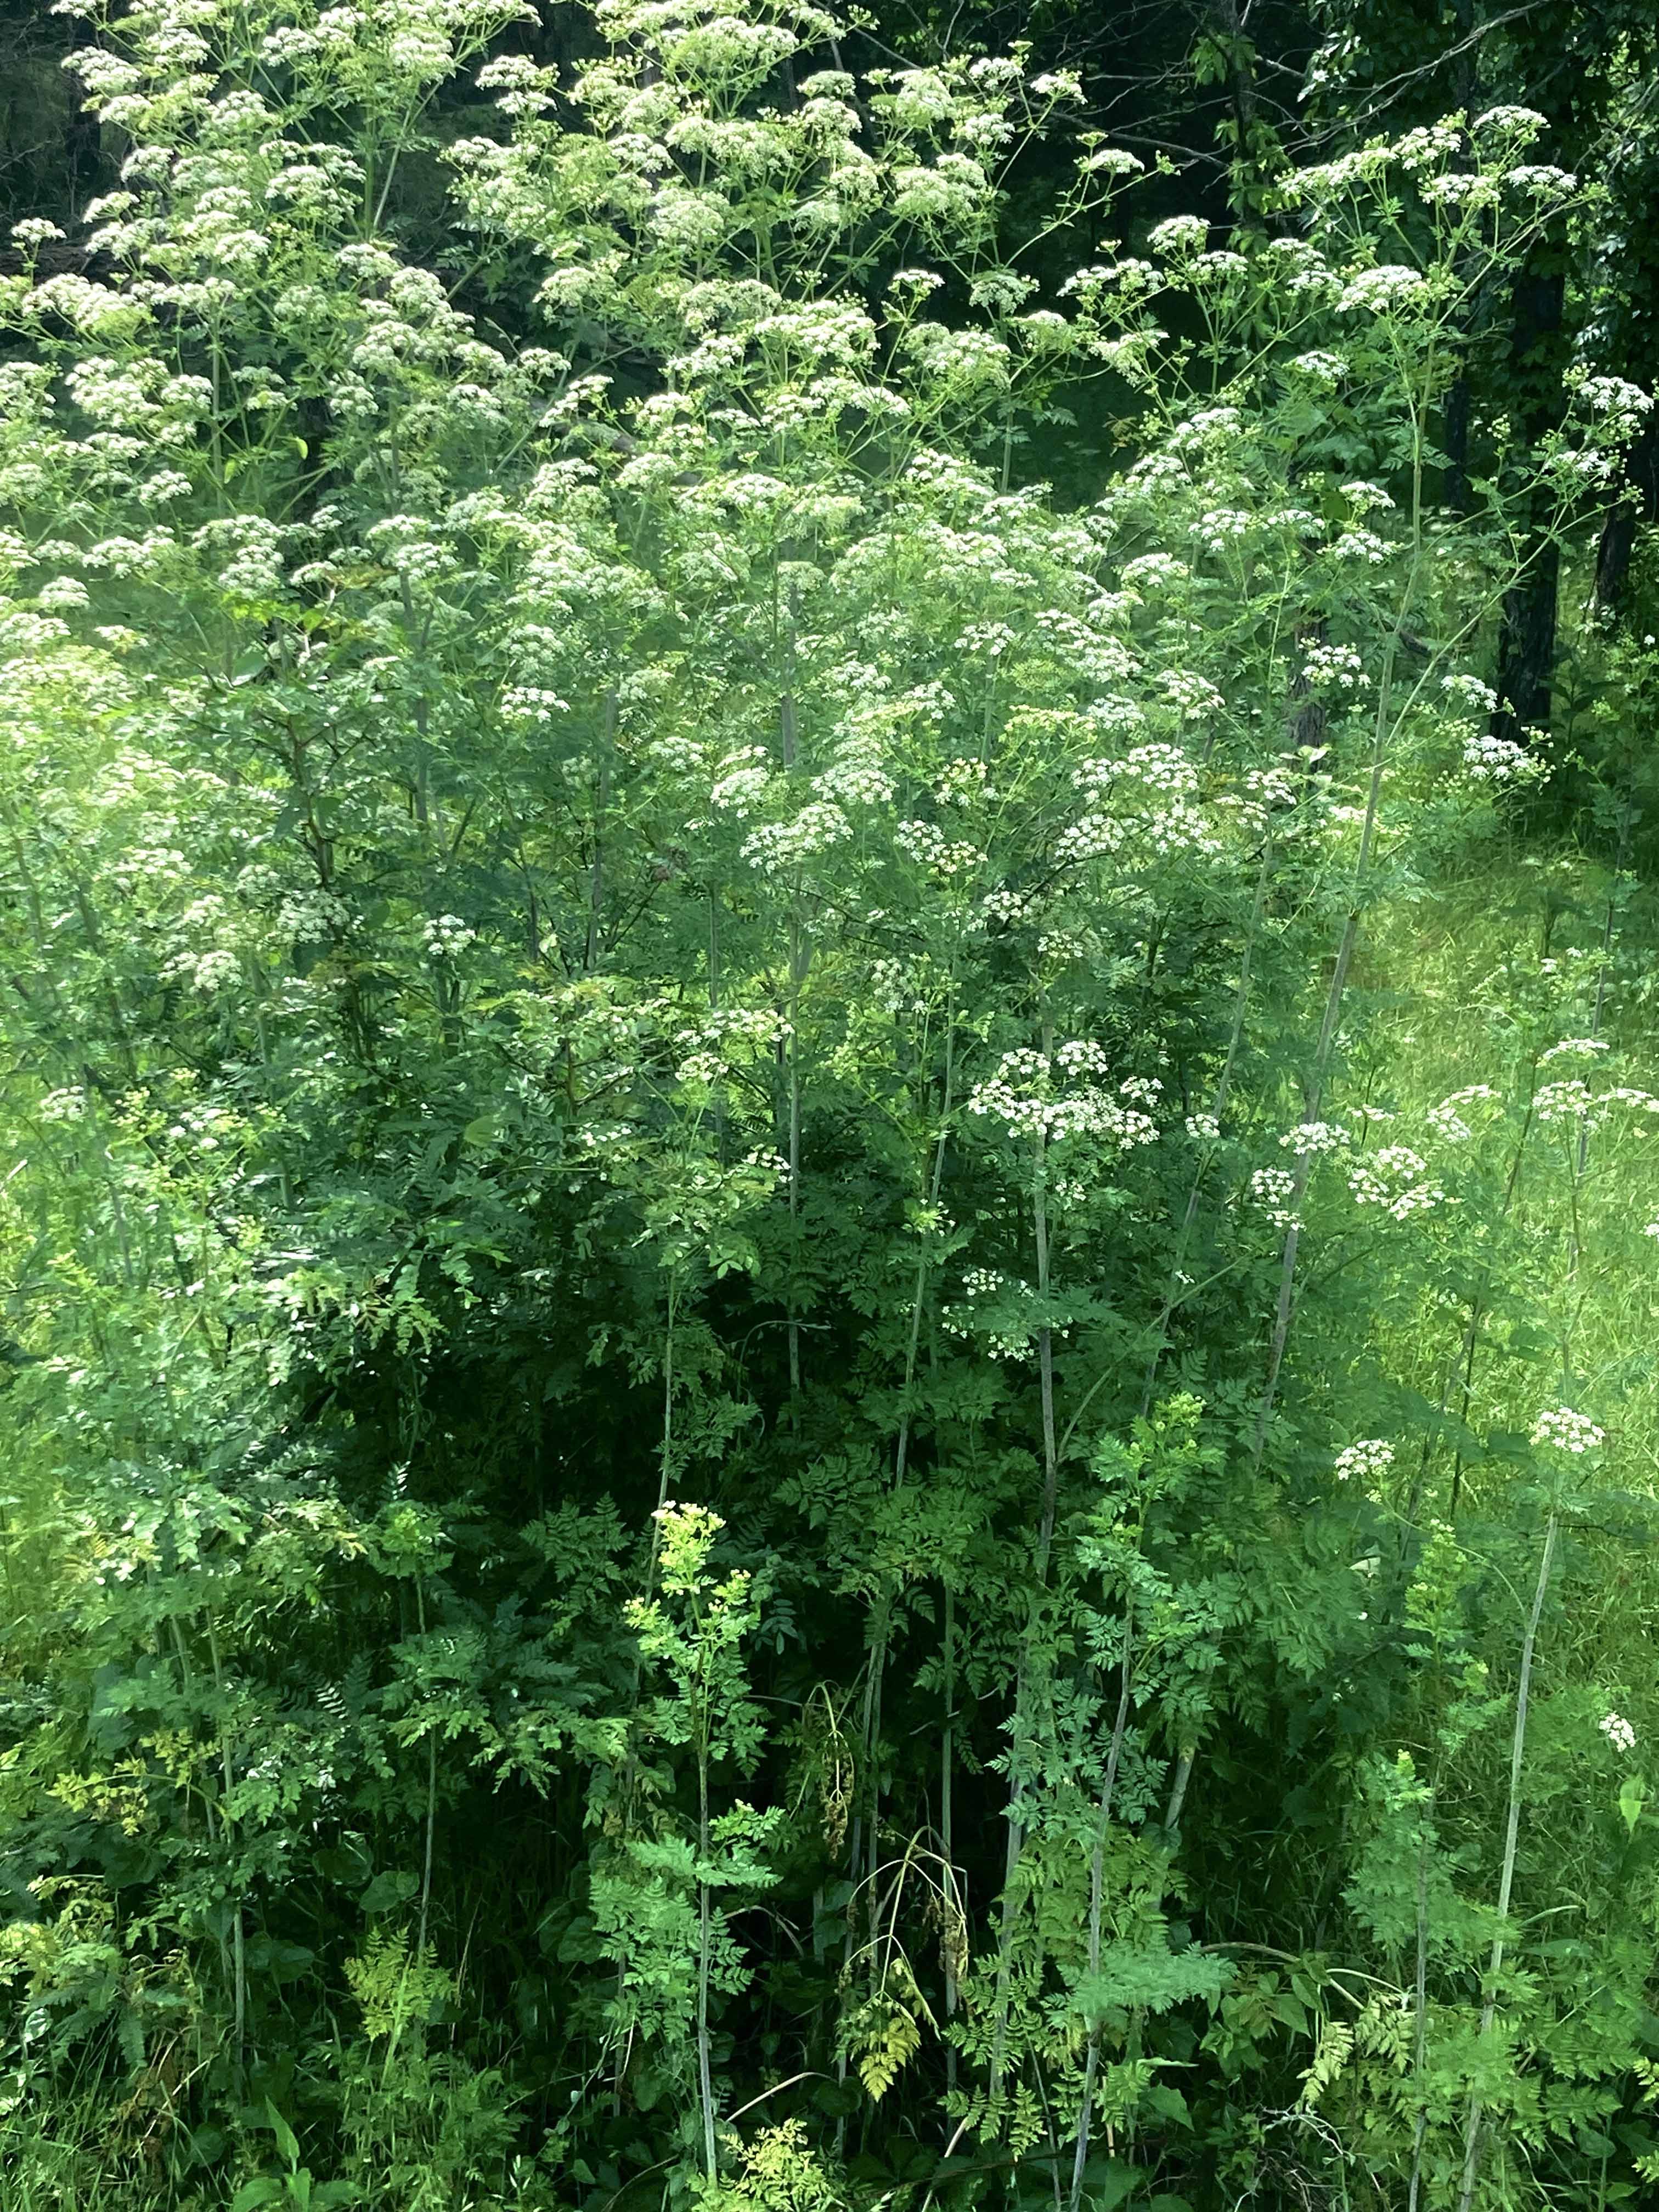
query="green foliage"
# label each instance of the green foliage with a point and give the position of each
(783, 1425)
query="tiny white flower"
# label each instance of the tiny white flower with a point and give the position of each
(1565, 1429)
(1367, 1460)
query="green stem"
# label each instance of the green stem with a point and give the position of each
(1506, 1878)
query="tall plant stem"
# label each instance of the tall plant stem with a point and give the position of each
(882, 1625)
(705, 1933)
(1045, 1366)
(946, 1823)
(1217, 1107)
(1314, 1094)
(1419, 2045)
(1097, 1885)
(1478, 1305)
(629, 1763)
(601, 810)
(1023, 1678)
(431, 1800)
(238, 1930)
(797, 972)
(783, 630)
(1183, 1775)
(1506, 1878)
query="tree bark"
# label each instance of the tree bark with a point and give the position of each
(1638, 504)
(1527, 636)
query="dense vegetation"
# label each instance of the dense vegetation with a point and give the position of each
(829, 1198)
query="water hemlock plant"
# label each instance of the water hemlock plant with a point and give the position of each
(778, 1432)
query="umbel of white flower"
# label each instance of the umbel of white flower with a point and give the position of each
(1618, 1731)
(1366, 1460)
(1564, 1430)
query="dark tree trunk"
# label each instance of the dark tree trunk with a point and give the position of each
(1457, 443)
(83, 139)
(1526, 645)
(1466, 94)
(1639, 504)
(1525, 642)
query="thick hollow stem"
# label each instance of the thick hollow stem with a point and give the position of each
(946, 1812)
(601, 810)
(1019, 1747)
(1506, 1877)
(1218, 1107)
(1097, 1885)
(1315, 1094)
(704, 1946)
(1419, 2051)
(431, 1802)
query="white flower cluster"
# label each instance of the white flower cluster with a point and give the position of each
(446, 936)
(1316, 1136)
(1111, 161)
(1335, 668)
(1021, 1094)
(1564, 1430)
(1574, 1048)
(1272, 1190)
(1618, 1731)
(776, 846)
(1005, 905)
(1179, 234)
(1445, 1121)
(855, 776)
(531, 703)
(1203, 1128)
(1383, 290)
(1154, 571)
(1325, 370)
(740, 785)
(892, 987)
(1488, 759)
(1191, 694)
(963, 780)
(1005, 1340)
(1519, 124)
(1470, 692)
(929, 847)
(207, 1128)
(1540, 180)
(1091, 837)
(206, 972)
(1614, 404)
(1361, 545)
(1161, 767)
(1395, 1179)
(1367, 1461)
(1218, 525)
(1571, 1099)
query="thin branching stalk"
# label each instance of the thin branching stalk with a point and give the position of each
(1097, 1885)
(1314, 1094)
(1420, 1990)
(1506, 1875)
(1217, 1107)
